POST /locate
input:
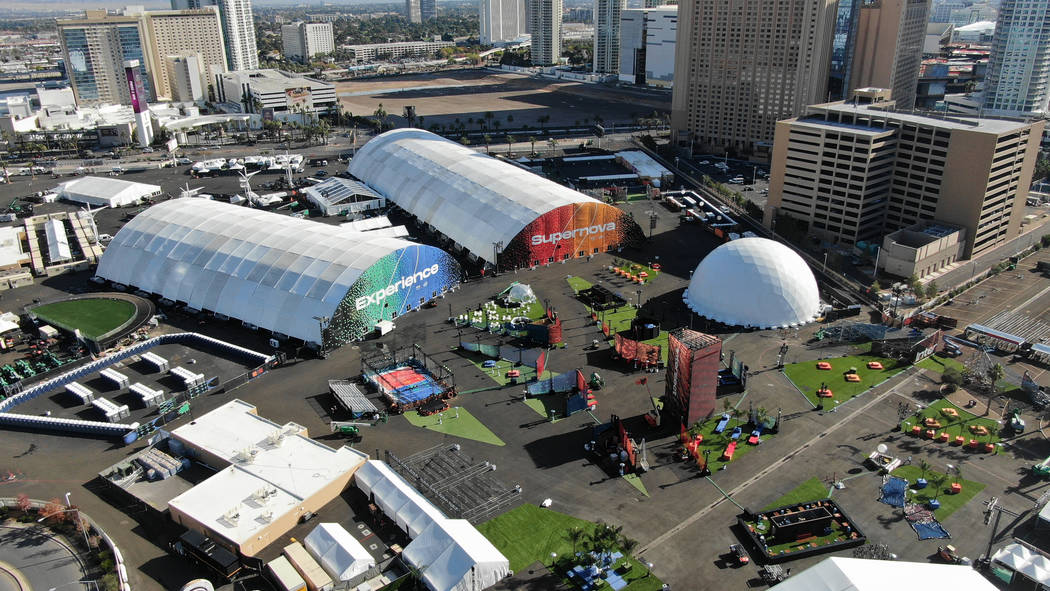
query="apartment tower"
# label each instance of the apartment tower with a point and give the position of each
(1019, 64)
(238, 29)
(302, 41)
(607, 35)
(888, 53)
(545, 19)
(501, 21)
(741, 66)
(850, 172)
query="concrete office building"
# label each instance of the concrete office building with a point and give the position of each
(921, 249)
(302, 41)
(545, 25)
(501, 21)
(370, 52)
(741, 67)
(852, 172)
(96, 46)
(1018, 79)
(888, 53)
(607, 35)
(647, 42)
(184, 74)
(417, 11)
(286, 94)
(238, 29)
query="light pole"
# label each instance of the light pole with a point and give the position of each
(824, 268)
(322, 323)
(648, 569)
(80, 524)
(639, 292)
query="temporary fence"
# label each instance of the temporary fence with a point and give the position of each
(632, 350)
(572, 381)
(530, 357)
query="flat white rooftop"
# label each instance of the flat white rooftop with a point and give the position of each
(993, 126)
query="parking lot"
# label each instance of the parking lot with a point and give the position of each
(747, 178)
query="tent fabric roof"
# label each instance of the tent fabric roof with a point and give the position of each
(1019, 558)
(754, 282)
(276, 272)
(398, 499)
(444, 183)
(341, 556)
(98, 190)
(457, 557)
(858, 574)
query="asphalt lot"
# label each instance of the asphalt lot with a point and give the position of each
(684, 525)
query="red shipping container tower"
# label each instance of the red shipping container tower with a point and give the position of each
(693, 361)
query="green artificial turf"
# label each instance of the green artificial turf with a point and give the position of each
(718, 442)
(619, 320)
(636, 481)
(578, 284)
(498, 373)
(545, 403)
(939, 364)
(807, 378)
(810, 490)
(529, 534)
(466, 426)
(949, 502)
(94, 316)
(954, 427)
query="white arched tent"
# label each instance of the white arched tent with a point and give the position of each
(340, 555)
(455, 556)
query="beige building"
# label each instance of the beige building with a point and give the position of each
(269, 476)
(742, 66)
(888, 52)
(853, 172)
(921, 249)
(544, 18)
(185, 33)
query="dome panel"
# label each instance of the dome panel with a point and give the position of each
(754, 282)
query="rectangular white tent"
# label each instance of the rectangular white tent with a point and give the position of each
(455, 556)
(857, 574)
(340, 555)
(1030, 564)
(398, 499)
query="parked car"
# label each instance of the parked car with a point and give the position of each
(321, 174)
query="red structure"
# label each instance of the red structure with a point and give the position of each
(692, 373)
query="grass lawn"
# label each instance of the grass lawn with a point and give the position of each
(837, 531)
(619, 320)
(808, 378)
(498, 373)
(939, 364)
(466, 426)
(94, 317)
(718, 442)
(529, 534)
(954, 427)
(545, 403)
(810, 490)
(578, 284)
(949, 502)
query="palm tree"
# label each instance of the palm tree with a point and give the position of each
(627, 545)
(995, 374)
(939, 483)
(488, 140)
(464, 140)
(553, 143)
(380, 115)
(510, 140)
(532, 140)
(924, 467)
(575, 535)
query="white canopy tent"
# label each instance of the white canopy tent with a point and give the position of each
(340, 555)
(858, 574)
(1028, 563)
(456, 557)
(398, 499)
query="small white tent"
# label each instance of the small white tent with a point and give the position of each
(455, 556)
(340, 555)
(521, 293)
(398, 499)
(857, 574)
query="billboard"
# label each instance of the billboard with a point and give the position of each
(571, 231)
(394, 285)
(139, 100)
(299, 96)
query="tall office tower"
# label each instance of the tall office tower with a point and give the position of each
(858, 170)
(647, 41)
(413, 12)
(501, 20)
(196, 32)
(238, 30)
(545, 17)
(742, 66)
(95, 48)
(843, 44)
(302, 41)
(890, 35)
(942, 10)
(655, 3)
(1019, 64)
(428, 9)
(607, 35)
(528, 17)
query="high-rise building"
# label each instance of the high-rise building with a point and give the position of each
(607, 35)
(1018, 78)
(647, 41)
(545, 19)
(501, 21)
(302, 41)
(413, 11)
(98, 44)
(742, 66)
(942, 10)
(850, 171)
(428, 9)
(238, 30)
(185, 78)
(843, 44)
(95, 47)
(888, 53)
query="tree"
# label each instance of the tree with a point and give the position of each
(627, 545)
(380, 115)
(553, 143)
(544, 119)
(510, 140)
(464, 140)
(23, 502)
(532, 140)
(876, 286)
(931, 289)
(575, 535)
(54, 510)
(938, 484)
(488, 140)
(915, 285)
(924, 467)
(995, 374)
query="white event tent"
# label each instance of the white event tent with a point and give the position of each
(858, 574)
(340, 555)
(456, 557)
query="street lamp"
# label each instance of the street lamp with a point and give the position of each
(648, 569)
(83, 529)
(824, 269)
(322, 322)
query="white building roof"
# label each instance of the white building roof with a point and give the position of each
(335, 194)
(754, 282)
(276, 272)
(58, 249)
(857, 574)
(273, 469)
(398, 499)
(446, 184)
(644, 165)
(11, 252)
(96, 190)
(340, 555)
(456, 557)
(380, 221)
(1021, 559)
(982, 26)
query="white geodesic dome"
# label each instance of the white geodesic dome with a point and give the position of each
(754, 282)
(521, 293)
